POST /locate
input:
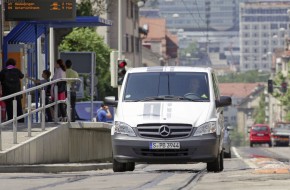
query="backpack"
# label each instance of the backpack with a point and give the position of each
(11, 81)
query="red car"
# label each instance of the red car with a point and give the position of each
(260, 134)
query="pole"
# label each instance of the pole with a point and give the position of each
(120, 30)
(1, 31)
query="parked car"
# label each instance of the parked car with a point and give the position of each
(227, 143)
(280, 134)
(260, 134)
(83, 110)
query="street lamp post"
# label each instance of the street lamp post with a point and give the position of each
(120, 30)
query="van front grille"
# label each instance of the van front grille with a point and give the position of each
(175, 130)
(162, 153)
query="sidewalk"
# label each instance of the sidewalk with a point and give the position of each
(22, 133)
(22, 137)
(54, 168)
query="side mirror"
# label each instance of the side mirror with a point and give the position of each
(111, 100)
(224, 101)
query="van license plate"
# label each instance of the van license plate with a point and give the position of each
(164, 145)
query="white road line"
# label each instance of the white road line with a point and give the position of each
(250, 164)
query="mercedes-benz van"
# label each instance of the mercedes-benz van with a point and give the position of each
(168, 115)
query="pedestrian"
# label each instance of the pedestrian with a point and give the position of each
(46, 78)
(103, 113)
(10, 80)
(70, 73)
(59, 73)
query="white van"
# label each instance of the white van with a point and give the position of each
(168, 115)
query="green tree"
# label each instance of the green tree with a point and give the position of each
(247, 77)
(259, 112)
(86, 39)
(191, 50)
(284, 98)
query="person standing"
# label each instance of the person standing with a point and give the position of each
(10, 80)
(70, 73)
(46, 78)
(59, 73)
(103, 113)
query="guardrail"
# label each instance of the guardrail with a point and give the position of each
(41, 109)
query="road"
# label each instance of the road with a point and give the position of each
(250, 168)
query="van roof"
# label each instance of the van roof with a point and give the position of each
(169, 69)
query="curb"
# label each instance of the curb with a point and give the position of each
(53, 168)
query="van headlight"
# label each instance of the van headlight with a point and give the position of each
(206, 128)
(124, 129)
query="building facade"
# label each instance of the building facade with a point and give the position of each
(131, 41)
(264, 27)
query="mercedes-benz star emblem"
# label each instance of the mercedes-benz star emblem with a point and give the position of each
(164, 131)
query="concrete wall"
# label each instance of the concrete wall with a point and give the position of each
(76, 142)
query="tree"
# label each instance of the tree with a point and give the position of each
(191, 50)
(259, 112)
(247, 77)
(284, 98)
(94, 7)
(86, 39)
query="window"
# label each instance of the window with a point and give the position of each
(137, 44)
(132, 43)
(127, 43)
(142, 85)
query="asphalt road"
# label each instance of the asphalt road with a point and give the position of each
(250, 168)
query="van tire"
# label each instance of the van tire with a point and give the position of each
(130, 166)
(228, 155)
(118, 166)
(221, 161)
(217, 165)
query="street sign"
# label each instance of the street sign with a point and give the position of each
(25, 10)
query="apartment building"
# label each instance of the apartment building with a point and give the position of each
(264, 27)
(131, 40)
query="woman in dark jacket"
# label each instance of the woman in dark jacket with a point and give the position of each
(10, 80)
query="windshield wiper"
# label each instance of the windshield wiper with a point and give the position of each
(150, 98)
(168, 97)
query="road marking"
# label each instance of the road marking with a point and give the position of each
(264, 165)
(250, 164)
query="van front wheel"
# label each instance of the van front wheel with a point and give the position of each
(217, 165)
(118, 166)
(130, 166)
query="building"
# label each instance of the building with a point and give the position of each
(131, 37)
(263, 28)
(245, 97)
(160, 41)
(211, 25)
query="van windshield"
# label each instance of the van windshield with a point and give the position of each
(175, 86)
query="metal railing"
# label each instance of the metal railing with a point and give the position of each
(43, 106)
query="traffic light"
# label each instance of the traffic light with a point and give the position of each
(121, 71)
(284, 87)
(270, 86)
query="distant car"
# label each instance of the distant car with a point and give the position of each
(260, 134)
(83, 110)
(281, 134)
(227, 143)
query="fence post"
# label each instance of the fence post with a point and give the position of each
(29, 114)
(43, 109)
(68, 105)
(0, 129)
(56, 104)
(15, 121)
